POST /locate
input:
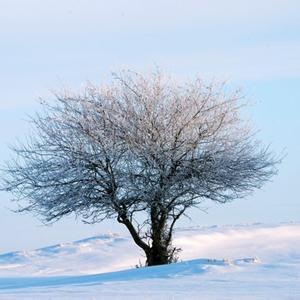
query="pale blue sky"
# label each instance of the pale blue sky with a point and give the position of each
(47, 44)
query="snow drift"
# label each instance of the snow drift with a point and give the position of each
(228, 262)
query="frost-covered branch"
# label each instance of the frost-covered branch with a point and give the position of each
(142, 144)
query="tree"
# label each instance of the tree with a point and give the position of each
(142, 150)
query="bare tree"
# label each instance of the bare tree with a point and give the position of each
(142, 150)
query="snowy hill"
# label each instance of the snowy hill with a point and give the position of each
(229, 262)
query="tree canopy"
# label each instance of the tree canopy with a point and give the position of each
(143, 145)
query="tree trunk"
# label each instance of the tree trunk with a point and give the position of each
(158, 255)
(160, 252)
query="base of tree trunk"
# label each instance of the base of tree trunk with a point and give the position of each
(158, 256)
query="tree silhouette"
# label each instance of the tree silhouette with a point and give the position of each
(142, 150)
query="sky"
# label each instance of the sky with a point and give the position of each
(47, 45)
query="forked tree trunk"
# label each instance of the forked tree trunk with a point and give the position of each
(160, 251)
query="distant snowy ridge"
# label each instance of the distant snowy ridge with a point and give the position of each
(111, 252)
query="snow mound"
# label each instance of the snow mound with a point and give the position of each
(240, 262)
(176, 270)
(112, 252)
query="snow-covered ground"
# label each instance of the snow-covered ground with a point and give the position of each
(229, 262)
